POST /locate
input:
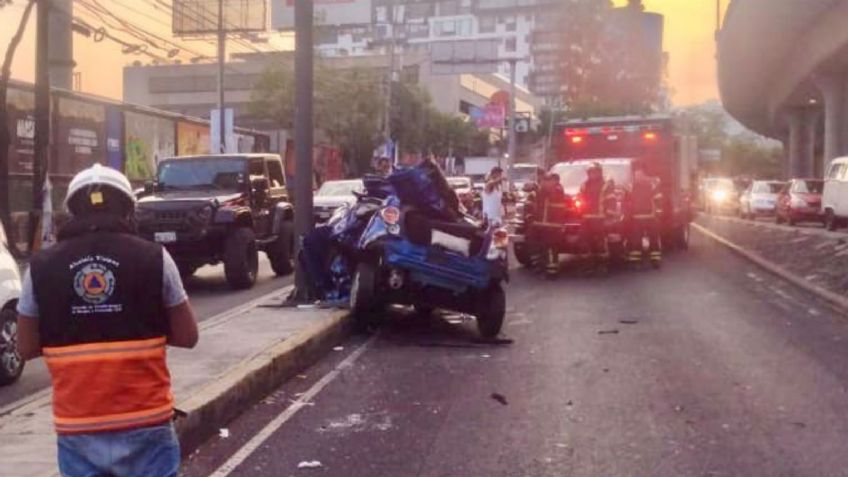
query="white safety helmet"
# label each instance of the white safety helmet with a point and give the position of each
(97, 176)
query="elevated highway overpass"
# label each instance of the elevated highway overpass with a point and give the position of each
(783, 72)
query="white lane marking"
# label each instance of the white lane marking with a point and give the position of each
(305, 399)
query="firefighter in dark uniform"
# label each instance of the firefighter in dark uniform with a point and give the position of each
(596, 194)
(643, 203)
(551, 209)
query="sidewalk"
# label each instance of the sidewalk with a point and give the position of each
(242, 354)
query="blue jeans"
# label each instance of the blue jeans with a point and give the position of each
(148, 451)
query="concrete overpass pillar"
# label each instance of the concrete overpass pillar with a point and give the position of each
(801, 143)
(795, 144)
(832, 88)
(809, 136)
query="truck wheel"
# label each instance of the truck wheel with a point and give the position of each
(682, 237)
(241, 258)
(280, 251)
(522, 254)
(363, 290)
(491, 309)
(11, 363)
(830, 222)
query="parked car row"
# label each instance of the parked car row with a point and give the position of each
(793, 201)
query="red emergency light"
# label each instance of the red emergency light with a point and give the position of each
(576, 139)
(650, 136)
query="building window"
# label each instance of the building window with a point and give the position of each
(510, 44)
(381, 15)
(487, 24)
(510, 25)
(448, 8)
(419, 11)
(445, 28)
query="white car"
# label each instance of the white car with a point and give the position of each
(835, 194)
(334, 194)
(11, 364)
(760, 199)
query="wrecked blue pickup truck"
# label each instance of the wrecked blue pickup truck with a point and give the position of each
(419, 249)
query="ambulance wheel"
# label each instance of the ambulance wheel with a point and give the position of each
(241, 258)
(491, 309)
(11, 363)
(522, 254)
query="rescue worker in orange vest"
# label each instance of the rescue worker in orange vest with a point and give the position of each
(596, 193)
(643, 205)
(100, 306)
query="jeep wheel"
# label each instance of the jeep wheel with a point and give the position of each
(491, 308)
(241, 259)
(11, 363)
(280, 251)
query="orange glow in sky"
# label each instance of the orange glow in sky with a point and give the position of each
(689, 30)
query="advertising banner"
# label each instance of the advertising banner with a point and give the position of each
(490, 116)
(215, 131)
(20, 106)
(114, 138)
(80, 136)
(148, 140)
(192, 139)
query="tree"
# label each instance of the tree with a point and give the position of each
(347, 108)
(606, 66)
(5, 134)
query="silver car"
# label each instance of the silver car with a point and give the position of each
(760, 199)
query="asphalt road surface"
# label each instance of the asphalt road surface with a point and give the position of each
(209, 295)
(708, 367)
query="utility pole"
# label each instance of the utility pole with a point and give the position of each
(222, 44)
(390, 76)
(512, 136)
(41, 151)
(303, 124)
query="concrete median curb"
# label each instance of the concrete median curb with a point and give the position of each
(834, 299)
(220, 401)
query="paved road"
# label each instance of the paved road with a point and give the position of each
(209, 294)
(706, 368)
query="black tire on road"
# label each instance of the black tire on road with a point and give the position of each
(491, 309)
(522, 254)
(363, 292)
(280, 252)
(830, 222)
(241, 258)
(779, 220)
(11, 363)
(187, 270)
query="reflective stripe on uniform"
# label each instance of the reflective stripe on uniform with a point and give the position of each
(110, 385)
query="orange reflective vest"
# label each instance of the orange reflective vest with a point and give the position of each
(103, 328)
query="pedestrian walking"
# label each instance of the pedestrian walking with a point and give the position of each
(100, 306)
(492, 197)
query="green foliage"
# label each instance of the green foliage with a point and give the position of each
(604, 70)
(742, 153)
(349, 108)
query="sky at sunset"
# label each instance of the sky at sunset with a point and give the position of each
(689, 28)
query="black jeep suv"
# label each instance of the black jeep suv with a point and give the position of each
(220, 208)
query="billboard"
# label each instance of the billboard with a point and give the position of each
(192, 139)
(80, 136)
(464, 57)
(200, 17)
(148, 139)
(20, 107)
(326, 13)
